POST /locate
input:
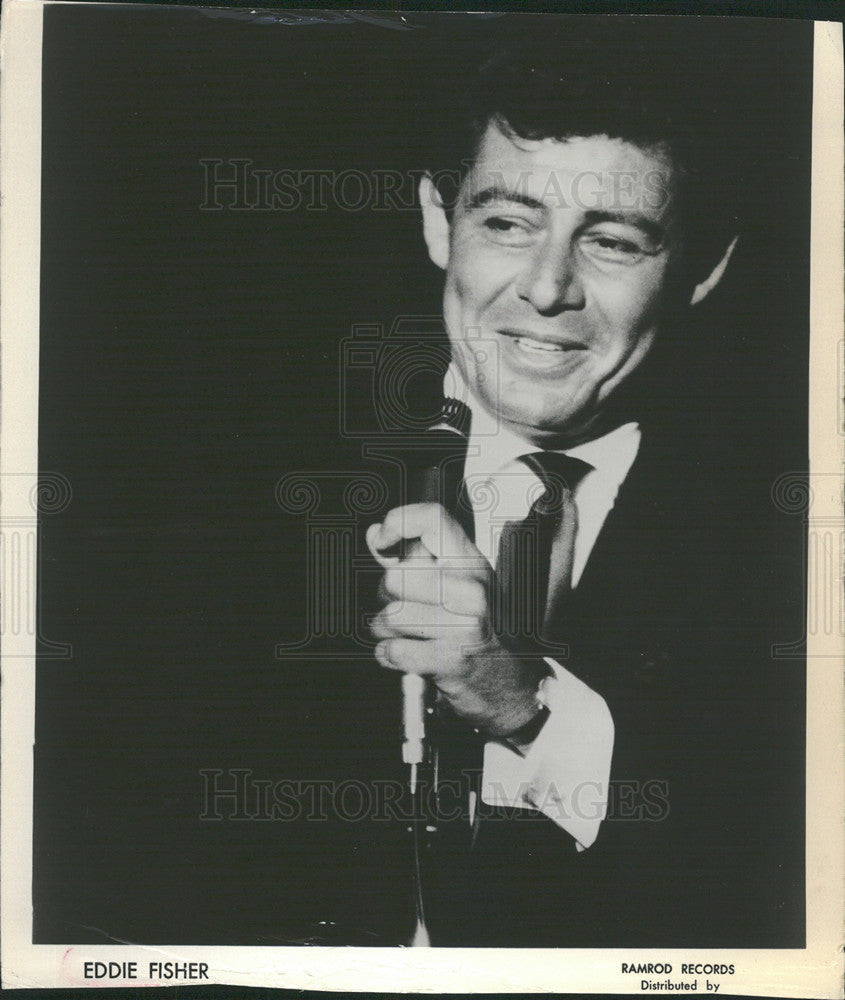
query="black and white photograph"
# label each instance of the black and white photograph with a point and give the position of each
(422, 503)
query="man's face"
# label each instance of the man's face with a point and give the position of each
(556, 277)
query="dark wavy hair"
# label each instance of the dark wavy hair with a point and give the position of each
(653, 83)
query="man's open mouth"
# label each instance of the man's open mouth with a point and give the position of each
(532, 344)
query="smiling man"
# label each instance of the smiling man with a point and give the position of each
(566, 292)
(592, 213)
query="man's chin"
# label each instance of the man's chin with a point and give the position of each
(549, 432)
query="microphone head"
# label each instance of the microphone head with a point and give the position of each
(455, 416)
(436, 472)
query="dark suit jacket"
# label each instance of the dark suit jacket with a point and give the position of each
(691, 583)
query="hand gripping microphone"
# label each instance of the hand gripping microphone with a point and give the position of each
(436, 480)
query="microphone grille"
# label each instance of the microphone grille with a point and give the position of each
(454, 416)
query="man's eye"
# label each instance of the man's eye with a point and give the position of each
(613, 248)
(508, 230)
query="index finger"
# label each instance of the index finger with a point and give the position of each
(436, 529)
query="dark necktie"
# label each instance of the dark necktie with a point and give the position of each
(534, 566)
(533, 574)
(533, 570)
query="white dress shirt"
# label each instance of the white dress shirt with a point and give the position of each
(565, 772)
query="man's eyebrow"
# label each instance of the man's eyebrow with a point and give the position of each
(646, 224)
(496, 192)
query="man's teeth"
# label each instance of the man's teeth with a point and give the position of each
(535, 345)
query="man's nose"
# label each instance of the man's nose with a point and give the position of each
(550, 280)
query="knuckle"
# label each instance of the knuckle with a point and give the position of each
(450, 592)
(399, 653)
(478, 603)
(473, 599)
(392, 582)
(392, 518)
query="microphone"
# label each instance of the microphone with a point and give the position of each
(432, 483)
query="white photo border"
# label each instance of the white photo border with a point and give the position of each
(815, 971)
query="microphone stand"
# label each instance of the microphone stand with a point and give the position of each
(427, 485)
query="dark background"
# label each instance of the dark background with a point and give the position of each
(190, 359)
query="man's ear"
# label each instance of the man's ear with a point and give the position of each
(435, 223)
(702, 290)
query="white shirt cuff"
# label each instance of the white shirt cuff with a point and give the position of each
(566, 772)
